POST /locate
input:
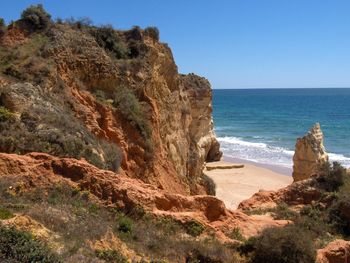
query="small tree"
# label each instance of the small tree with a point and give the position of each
(2, 22)
(152, 32)
(2, 26)
(37, 17)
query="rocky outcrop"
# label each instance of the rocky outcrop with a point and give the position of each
(38, 170)
(338, 251)
(298, 193)
(309, 154)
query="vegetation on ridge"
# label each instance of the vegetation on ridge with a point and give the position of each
(37, 17)
(32, 61)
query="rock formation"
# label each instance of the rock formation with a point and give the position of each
(309, 154)
(169, 153)
(338, 251)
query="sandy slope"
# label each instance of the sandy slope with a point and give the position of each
(234, 185)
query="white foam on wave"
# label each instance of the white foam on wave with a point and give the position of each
(334, 157)
(266, 154)
(235, 140)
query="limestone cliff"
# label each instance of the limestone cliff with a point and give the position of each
(309, 154)
(166, 133)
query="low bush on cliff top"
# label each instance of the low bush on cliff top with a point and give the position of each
(108, 39)
(152, 32)
(2, 27)
(37, 17)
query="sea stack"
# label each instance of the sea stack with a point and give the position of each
(309, 154)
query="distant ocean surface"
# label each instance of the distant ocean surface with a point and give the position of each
(262, 125)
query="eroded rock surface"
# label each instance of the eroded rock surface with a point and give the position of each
(298, 193)
(337, 251)
(309, 154)
(43, 170)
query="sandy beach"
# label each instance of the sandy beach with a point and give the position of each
(234, 184)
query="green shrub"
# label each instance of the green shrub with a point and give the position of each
(5, 213)
(248, 246)
(197, 257)
(108, 39)
(209, 250)
(236, 234)
(2, 27)
(209, 184)
(83, 22)
(135, 33)
(132, 109)
(6, 114)
(194, 228)
(331, 177)
(23, 247)
(339, 215)
(37, 17)
(282, 211)
(125, 224)
(281, 245)
(112, 155)
(112, 256)
(152, 32)
(317, 227)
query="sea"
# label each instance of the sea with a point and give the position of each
(262, 125)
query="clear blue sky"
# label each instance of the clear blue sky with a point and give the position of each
(233, 43)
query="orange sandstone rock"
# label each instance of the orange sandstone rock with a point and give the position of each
(338, 251)
(43, 170)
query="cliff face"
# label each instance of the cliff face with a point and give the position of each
(160, 120)
(309, 154)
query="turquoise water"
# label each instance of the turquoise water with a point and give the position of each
(262, 125)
